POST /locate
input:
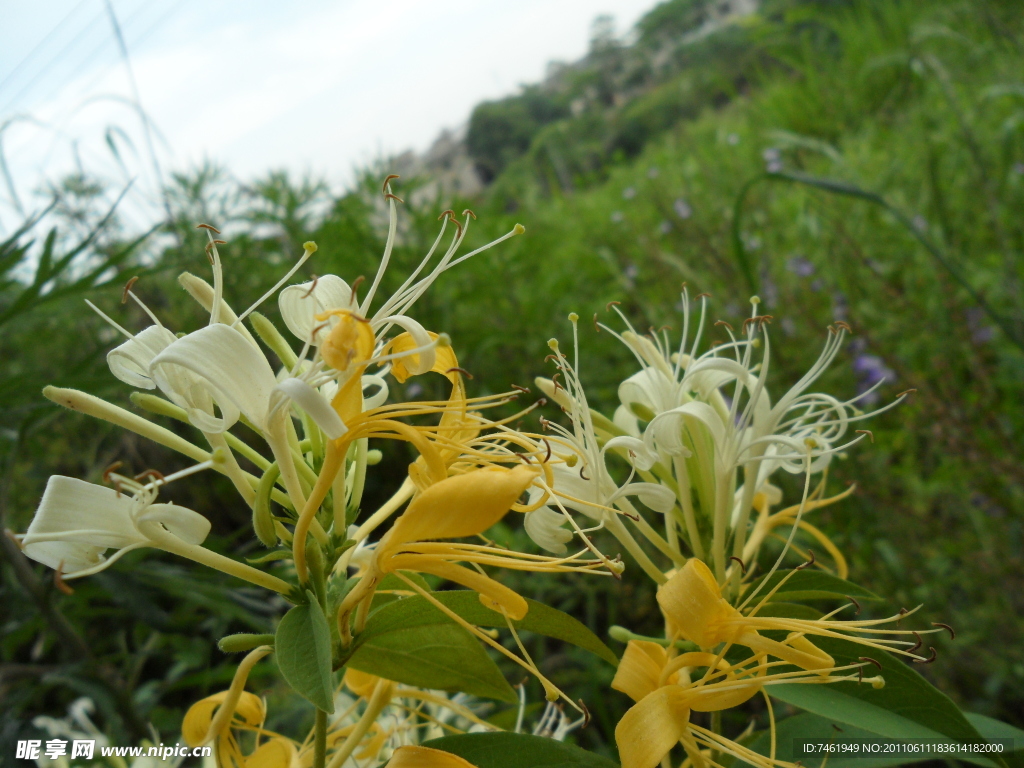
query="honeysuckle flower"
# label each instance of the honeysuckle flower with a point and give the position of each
(667, 688)
(581, 479)
(218, 717)
(704, 437)
(695, 610)
(77, 522)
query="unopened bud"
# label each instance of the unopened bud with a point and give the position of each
(243, 642)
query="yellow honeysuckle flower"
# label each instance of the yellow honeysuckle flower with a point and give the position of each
(425, 757)
(217, 717)
(666, 690)
(459, 506)
(695, 610)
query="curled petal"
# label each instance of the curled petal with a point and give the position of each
(374, 399)
(545, 527)
(300, 304)
(189, 526)
(130, 361)
(315, 406)
(657, 497)
(404, 366)
(216, 360)
(639, 672)
(650, 728)
(419, 362)
(640, 456)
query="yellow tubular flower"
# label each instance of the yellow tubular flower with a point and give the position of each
(217, 717)
(425, 757)
(693, 605)
(692, 602)
(460, 506)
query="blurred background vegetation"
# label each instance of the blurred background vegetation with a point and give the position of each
(843, 159)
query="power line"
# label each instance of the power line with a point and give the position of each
(40, 44)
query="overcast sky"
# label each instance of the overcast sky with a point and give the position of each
(255, 85)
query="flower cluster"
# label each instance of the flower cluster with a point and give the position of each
(681, 476)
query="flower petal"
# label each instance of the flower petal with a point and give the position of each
(417, 363)
(639, 671)
(425, 757)
(650, 728)
(301, 303)
(220, 360)
(130, 361)
(315, 406)
(463, 505)
(76, 522)
(545, 526)
(189, 526)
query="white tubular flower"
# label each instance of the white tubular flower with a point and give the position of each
(300, 304)
(77, 522)
(130, 362)
(216, 366)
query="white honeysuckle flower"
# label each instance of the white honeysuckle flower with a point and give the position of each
(77, 522)
(311, 309)
(545, 526)
(131, 360)
(581, 480)
(709, 415)
(300, 305)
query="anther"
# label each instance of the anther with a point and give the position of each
(524, 457)
(665, 328)
(596, 326)
(387, 181)
(586, 713)
(610, 304)
(869, 660)
(930, 659)
(545, 424)
(868, 432)
(355, 287)
(809, 563)
(854, 601)
(918, 645)
(463, 371)
(156, 474)
(551, 357)
(58, 580)
(458, 227)
(396, 198)
(581, 473)
(702, 296)
(727, 325)
(843, 324)
(128, 289)
(524, 390)
(743, 567)
(312, 288)
(952, 634)
(903, 612)
(548, 458)
(906, 392)
(207, 226)
(542, 402)
(469, 213)
(214, 243)
(635, 518)
(111, 470)
(448, 212)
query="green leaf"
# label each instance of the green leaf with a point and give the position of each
(303, 649)
(908, 707)
(809, 585)
(540, 618)
(992, 729)
(431, 654)
(808, 726)
(515, 750)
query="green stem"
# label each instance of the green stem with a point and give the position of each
(320, 740)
